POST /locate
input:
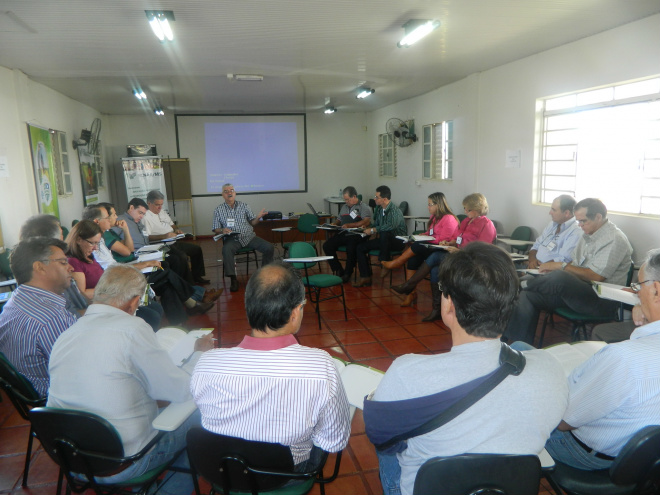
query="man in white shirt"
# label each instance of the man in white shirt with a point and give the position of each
(158, 226)
(616, 392)
(109, 363)
(561, 235)
(270, 388)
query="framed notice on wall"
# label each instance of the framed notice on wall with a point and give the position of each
(41, 149)
(88, 176)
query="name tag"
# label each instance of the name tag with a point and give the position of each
(459, 240)
(353, 214)
(231, 222)
(431, 231)
(551, 245)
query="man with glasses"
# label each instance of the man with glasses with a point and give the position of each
(236, 216)
(36, 314)
(601, 255)
(559, 238)
(616, 392)
(270, 388)
(354, 214)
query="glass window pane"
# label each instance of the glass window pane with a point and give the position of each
(567, 121)
(559, 183)
(427, 152)
(650, 206)
(560, 168)
(640, 88)
(561, 137)
(560, 152)
(427, 133)
(427, 170)
(560, 103)
(595, 96)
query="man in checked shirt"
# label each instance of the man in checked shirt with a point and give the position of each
(270, 388)
(236, 216)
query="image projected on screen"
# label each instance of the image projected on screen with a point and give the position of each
(252, 156)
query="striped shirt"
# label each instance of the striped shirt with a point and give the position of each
(273, 390)
(605, 252)
(30, 324)
(389, 219)
(616, 392)
(241, 215)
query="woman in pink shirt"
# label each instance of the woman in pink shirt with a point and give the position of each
(476, 227)
(442, 224)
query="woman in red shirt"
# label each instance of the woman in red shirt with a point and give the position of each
(442, 225)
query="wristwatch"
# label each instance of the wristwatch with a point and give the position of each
(564, 265)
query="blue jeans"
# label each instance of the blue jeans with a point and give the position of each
(175, 483)
(198, 293)
(390, 473)
(434, 261)
(563, 448)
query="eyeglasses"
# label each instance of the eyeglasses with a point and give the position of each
(430, 204)
(302, 304)
(61, 261)
(440, 287)
(95, 244)
(583, 220)
(637, 286)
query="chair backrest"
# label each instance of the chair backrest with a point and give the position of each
(307, 222)
(302, 250)
(631, 272)
(18, 388)
(228, 463)
(461, 217)
(484, 474)
(638, 462)
(522, 233)
(403, 206)
(69, 437)
(5, 269)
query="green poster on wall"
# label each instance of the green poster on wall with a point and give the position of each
(44, 170)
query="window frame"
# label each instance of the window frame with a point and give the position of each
(438, 140)
(386, 143)
(61, 163)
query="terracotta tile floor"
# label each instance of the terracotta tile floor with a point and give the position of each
(377, 330)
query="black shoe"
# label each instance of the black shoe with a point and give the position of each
(202, 281)
(234, 285)
(346, 277)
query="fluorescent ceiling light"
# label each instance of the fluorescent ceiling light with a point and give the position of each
(159, 22)
(159, 111)
(364, 92)
(139, 94)
(329, 109)
(415, 30)
(248, 77)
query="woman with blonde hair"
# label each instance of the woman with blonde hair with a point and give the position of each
(475, 227)
(442, 224)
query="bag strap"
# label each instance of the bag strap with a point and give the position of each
(512, 362)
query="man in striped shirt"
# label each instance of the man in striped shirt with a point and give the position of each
(616, 392)
(36, 314)
(270, 388)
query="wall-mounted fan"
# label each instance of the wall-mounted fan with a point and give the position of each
(90, 138)
(402, 133)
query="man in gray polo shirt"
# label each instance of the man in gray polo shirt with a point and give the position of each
(602, 255)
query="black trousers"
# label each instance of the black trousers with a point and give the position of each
(386, 242)
(173, 291)
(194, 253)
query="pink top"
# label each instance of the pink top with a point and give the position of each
(92, 271)
(479, 229)
(442, 229)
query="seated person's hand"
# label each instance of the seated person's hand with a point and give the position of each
(170, 235)
(533, 264)
(549, 266)
(226, 231)
(155, 263)
(205, 343)
(121, 224)
(452, 249)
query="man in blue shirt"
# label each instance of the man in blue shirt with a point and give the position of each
(559, 238)
(36, 314)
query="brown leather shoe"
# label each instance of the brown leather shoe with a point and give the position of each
(212, 295)
(363, 282)
(200, 308)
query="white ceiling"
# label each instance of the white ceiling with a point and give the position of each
(96, 51)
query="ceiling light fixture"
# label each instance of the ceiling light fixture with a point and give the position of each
(139, 94)
(159, 111)
(364, 92)
(415, 30)
(246, 77)
(329, 109)
(159, 20)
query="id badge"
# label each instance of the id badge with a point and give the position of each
(551, 245)
(459, 240)
(353, 214)
(431, 231)
(230, 223)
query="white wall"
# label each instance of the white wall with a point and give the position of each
(336, 157)
(23, 101)
(494, 111)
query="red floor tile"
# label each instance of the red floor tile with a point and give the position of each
(320, 340)
(405, 346)
(355, 337)
(364, 451)
(421, 329)
(390, 333)
(345, 325)
(436, 342)
(377, 321)
(358, 352)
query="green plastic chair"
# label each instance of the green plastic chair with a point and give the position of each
(307, 226)
(461, 217)
(5, 269)
(522, 233)
(580, 320)
(317, 282)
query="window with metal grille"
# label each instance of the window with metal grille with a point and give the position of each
(437, 151)
(61, 163)
(603, 143)
(386, 156)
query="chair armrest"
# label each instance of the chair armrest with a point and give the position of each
(174, 415)
(547, 462)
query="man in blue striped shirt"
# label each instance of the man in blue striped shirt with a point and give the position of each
(616, 392)
(36, 314)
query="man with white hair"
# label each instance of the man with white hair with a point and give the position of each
(109, 363)
(236, 216)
